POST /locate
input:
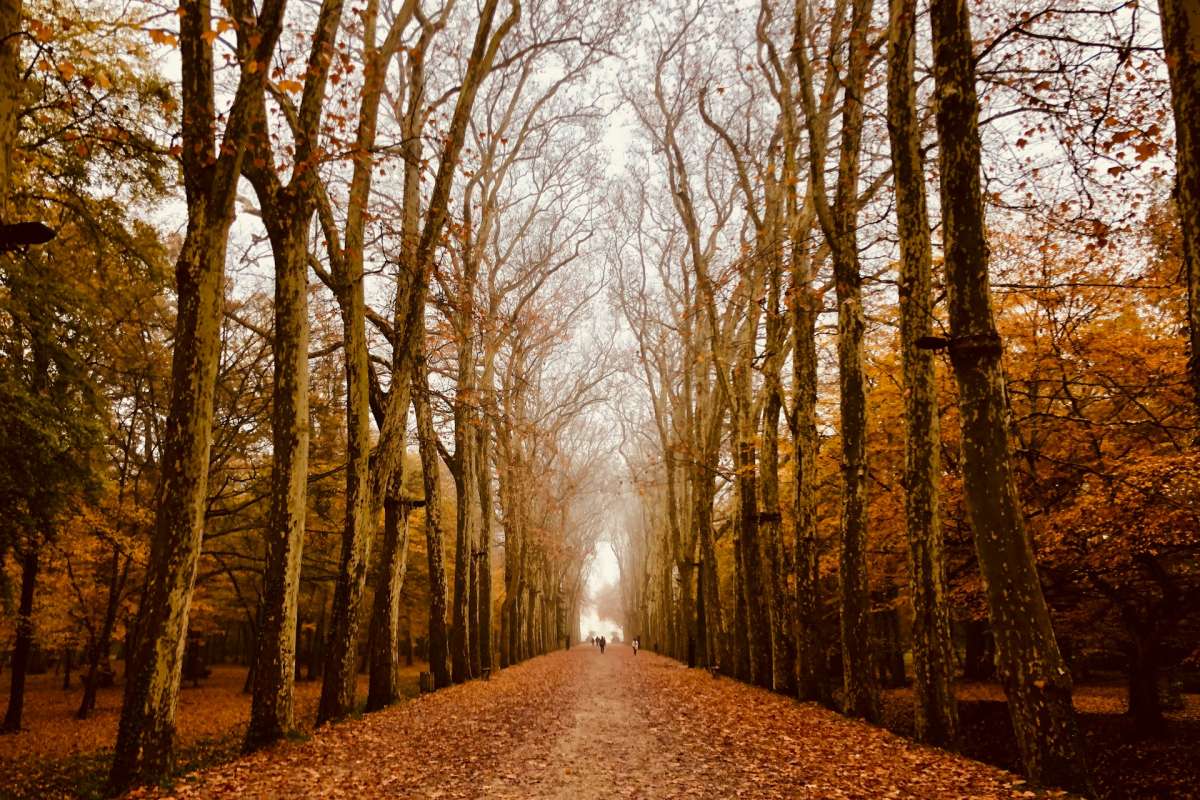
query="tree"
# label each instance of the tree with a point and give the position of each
(839, 223)
(936, 712)
(53, 426)
(145, 736)
(1181, 42)
(287, 210)
(1031, 668)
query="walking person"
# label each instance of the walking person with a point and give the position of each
(637, 643)
(602, 643)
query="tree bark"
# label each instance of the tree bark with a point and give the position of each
(99, 653)
(438, 646)
(145, 736)
(286, 212)
(936, 712)
(10, 95)
(754, 586)
(813, 677)
(385, 617)
(1031, 669)
(483, 474)
(23, 646)
(1181, 43)
(839, 224)
(271, 709)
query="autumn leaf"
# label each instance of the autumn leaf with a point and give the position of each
(164, 37)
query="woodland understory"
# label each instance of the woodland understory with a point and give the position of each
(346, 343)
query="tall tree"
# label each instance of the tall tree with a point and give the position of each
(933, 666)
(145, 736)
(1031, 668)
(286, 211)
(1181, 43)
(10, 94)
(364, 491)
(839, 223)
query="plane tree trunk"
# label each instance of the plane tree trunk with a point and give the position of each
(1030, 666)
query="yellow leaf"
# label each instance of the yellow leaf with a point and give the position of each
(41, 31)
(290, 86)
(209, 36)
(159, 36)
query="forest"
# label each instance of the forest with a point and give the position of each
(842, 356)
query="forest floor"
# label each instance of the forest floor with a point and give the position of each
(584, 726)
(58, 756)
(1124, 767)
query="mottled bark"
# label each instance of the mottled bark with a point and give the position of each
(384, 685)
(783, 648)
(438, 644)
(145, 736)
(1031, 669)
(839, 223)
(363, 491)
(10, 95)
(754, 585)
(1181, 45)
(341, 656)
(271, 710)
(813, 677)
(703, 483)
(483, 474)
(936, 713)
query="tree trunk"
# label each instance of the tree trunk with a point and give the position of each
(145, 735)
(438, 646)
(812, 678)
(839, 223)
(754, 585)
(741, 625)
(98, 655)
(460, 659)
(271, 709)
(385, 616)
(23, 646)
(1181, 43)
(341, 652)
(1145, 703)
(936, 712)
(703, 490)
(1031, 669)
(316, 653)
(144, 748)
(783, 646)
(10, 95)
(485, 551)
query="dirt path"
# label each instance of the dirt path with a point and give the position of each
(584, 726)
(606, 748)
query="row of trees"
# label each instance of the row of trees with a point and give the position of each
(232, 446)
(778, 241)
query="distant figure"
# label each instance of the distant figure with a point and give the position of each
(592, 639)
(636, 644)
(602, 643)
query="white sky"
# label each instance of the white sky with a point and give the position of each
(602, 571)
